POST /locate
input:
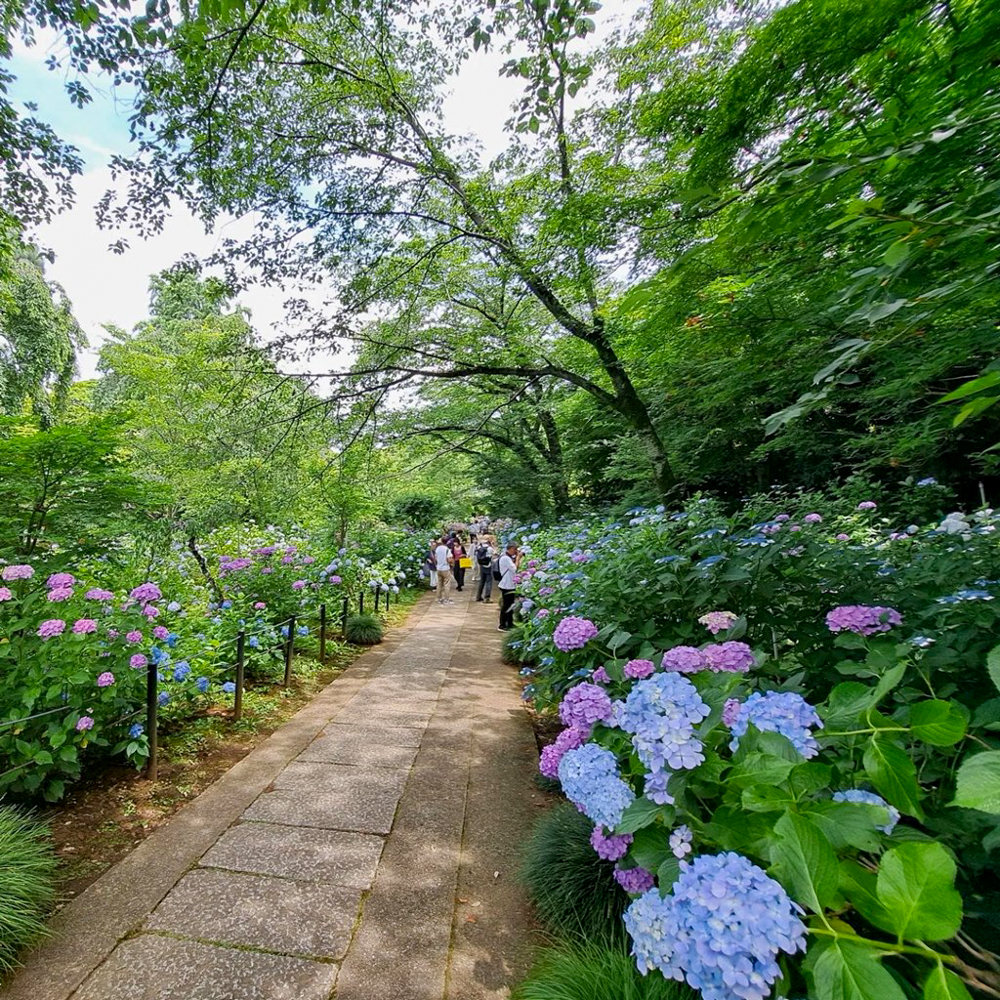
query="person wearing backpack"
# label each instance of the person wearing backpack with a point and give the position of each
(484, 560)
(504, 575)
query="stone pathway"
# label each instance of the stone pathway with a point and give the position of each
(367, 850)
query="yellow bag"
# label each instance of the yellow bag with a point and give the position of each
(465, 562)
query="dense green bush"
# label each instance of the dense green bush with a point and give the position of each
(364, 630)
(27, 883)
(574, 891)
(594, 972)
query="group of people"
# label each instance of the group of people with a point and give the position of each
(451, 556)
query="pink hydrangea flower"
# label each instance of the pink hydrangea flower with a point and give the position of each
(729, 657)
(813, 518)
(299, 585)
(335, 579)
(96, 594)
(145, 592)
(113, 633)
(84, 625)
(841, 537)
(266, 569)
(6, 594)
(259, 605)
(19, 572)
(638, 669)
(718, 621)
(573, 633)
(106, 679)
(160, 632)
(134, 636)
(58, 580)
(795, 527)
(84, 723)
(60, 594)
(151, 611)
(542, 613)
(867, 505)
(51, 627)
(684, 659)
(138, 661)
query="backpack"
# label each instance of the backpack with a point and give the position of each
(483, 556)
(495, 568)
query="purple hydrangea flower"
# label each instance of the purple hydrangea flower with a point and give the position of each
(634, 880)
(6, 594)
(134, 636)
(96, 594)
(568, 739)
(583, 705)
(610, 846)
(573, 633)
(729, 657)
(138, 661)
(17, 572)
(601, 676)
(106, 679)
(590, 780)
(84, 723)
(151, 611)
(842, 537)
(813, 518)
(638, 669)
(867, 505)
(51, 627)
(160, 632)
(299, 585)
(862, 619)
(145, 592)
(335, 579)
(60, 594)
(721, 929)
(783, 712)
(871, 799)
(84, 625)
(730, 711)
(684, 659)
(655, 788)
(59, 580)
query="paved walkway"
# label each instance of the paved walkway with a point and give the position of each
(367, 850)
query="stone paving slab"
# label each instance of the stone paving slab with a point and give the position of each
(151, 967)
(339, 750)
(378, 716)
(310, 855)
(361, 804)
(393, 736)
(276, 914)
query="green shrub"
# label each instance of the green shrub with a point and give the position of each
(27, 883)
(513, 647)
(364, 630)
(593, 972)
(574, 891)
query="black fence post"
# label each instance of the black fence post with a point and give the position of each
(378, 597)
(361, 603)
(152, 764)
(343, 615)
(240, 670)
(289, 650)
(322, 633)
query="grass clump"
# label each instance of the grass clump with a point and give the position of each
(513, 651)
(574, 891)
(27, 883)
(364, 630)
(595, 972)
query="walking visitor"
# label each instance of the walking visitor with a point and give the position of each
(506, 568)
(484, 566)
(460, 561)
(443, 560)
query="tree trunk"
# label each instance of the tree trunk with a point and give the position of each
(203, 564)
(554, 456)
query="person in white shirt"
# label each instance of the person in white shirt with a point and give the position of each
(443, 560)
(507, 568)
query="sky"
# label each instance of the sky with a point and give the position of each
(109, 288)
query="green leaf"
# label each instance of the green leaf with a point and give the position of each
(978, 783)
(640, 813)
(940, 723)
(667, 873)
(650, 848)
(916, 885)
(896, 253)
(970, 388)
(892, 773)
(888, 681)
(845, 970)
(804, 862)
(846, 703)
(849, 824)
(993, 665)
(760, 769)
(858, 886)
(944, 985)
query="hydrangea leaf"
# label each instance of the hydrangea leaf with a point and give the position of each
(846, 703)
(649, 848)
(641, 813)
(892, 773)
(804, 862)
(848, 824)
(760, 769)
(944, 985)
(844, 970)
(993, 665)
(940, 723)
(916, 885)
(978, 783)
(858, 885)
(667, 874)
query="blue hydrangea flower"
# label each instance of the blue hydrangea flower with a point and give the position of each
(781, 712)
(720, 930)
(922, 641)
(302, 630)
(661, 712)
(181, 671)
(871, 799)
(253, 642)
(136, 731)
(201, 684)
(589, 777)
(163, 698)
(655, 788)
(229, 687)
(172, 606)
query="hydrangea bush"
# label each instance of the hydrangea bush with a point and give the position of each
(779, 846)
